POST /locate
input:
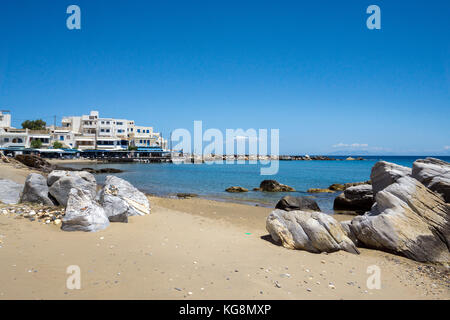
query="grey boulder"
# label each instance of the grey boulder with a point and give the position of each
(61, 182)
(385, 173)
(308, 230)
(289, 203)
(35, 190)
(120, 199)
(83, 213)
(274, 186)
(408, 219)
(434, 174)
(357, 198)
(10, 191)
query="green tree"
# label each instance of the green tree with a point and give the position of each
(132, 148)
(36, 144)
(57, 145)
(34, 124)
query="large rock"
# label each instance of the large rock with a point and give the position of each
(236, 189)
(35, 162)
(10, 191)
(55, 175)
(120, 200)
(434, 174)
(307, 230)
(385, 173)
(83, 213)
(61, 182)
(357, 198)
(289, 203)
(274, 186)
(36, 190)
(408, 219)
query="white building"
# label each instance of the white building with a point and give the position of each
(23, 138)
(93, 132)
(5, 119)
(85, 132)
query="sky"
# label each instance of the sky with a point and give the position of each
(311, 69)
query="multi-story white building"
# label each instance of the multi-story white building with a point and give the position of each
(92, 132)
(5, 119)
(22, 138)
(85, 132)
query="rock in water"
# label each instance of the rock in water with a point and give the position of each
(337, 187)
(236, 189)
(306, 230)
(408, 219)
(385, 173)
(36, 190)
(434, 174)
(61, 182)
(10, 191)
(289, 203)
(355, 198)
(274, 186)
(319, 190)
(120, 200)
(83, 213)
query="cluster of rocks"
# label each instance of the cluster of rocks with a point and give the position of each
(410, 215)
(85, 208)
(266, 186)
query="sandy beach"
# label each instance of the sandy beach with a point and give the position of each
(193, 249)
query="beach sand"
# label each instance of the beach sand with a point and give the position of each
(193, 249)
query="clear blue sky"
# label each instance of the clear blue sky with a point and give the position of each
(310, 68)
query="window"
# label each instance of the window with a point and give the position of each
(102, 130)
(140, 141)
(61, 138)
(103, 122)
(139, 130)
(107, 122)
(120, 123)
(6, 139)
(148, 131)
(107, 130)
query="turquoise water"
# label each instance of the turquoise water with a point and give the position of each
(211, 180)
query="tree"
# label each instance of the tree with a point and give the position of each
(57, 145)
(34, 124)
(36, 144)
(132, 148)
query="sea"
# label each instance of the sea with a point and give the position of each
(210, 180)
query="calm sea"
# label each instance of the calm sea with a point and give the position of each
(211, 180)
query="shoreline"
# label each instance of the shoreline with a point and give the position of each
(195, 248)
